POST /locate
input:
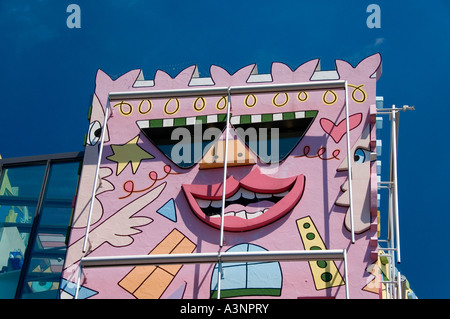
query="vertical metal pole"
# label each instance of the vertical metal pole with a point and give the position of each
(78, 281)
(347, 295)
(390, 235)
(222, 217)
(399, 285)
(224, 186)
(349, 163)
(219, 277)
(392, 275)
(391, 238)
(94, 188)
(394, 180)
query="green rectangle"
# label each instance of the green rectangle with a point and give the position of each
(240, 292)
(266, 117)
(289, 116)
(310, 113)
(156, 123)
(181, 121)
(201, 118)
(221, 117)
(245, 119)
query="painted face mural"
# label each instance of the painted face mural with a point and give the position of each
(161, 181)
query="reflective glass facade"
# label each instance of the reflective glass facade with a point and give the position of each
(36, 199)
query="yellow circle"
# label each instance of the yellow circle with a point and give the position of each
(275, 103)
(202, 106)
(150, 106)
(362, 92)
(324, 97)
(305, 94)
(246, 100)
(120, 104)
(224, 99)
(176, 109)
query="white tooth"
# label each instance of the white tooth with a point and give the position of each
(229, 214)
(215, 216)
(262, 195)
(254, 215)
(265, 210)
(236, 196)
(203, 203)
(216, 203)
(281, 194)
(241, 214)
(247, 194)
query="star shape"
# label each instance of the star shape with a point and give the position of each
(129, 152)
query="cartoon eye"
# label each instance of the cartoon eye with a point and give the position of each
(184, 140)
(95, 131)
(361, 156)
(281, 130)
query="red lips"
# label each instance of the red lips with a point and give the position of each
(286, 193)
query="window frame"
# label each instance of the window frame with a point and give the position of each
(48, 161)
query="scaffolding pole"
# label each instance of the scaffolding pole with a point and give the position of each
(393, 231)
(94, 188)
(349, 163)
(224, 186)
(393, 177)
(393, 286)
(215, 257)
(205, 91)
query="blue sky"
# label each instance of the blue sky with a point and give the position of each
(47, 74)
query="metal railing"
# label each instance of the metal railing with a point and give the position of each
(214, 257)
(392, 241)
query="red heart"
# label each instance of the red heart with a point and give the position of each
(338, 131)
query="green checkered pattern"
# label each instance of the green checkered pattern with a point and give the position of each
(184, 121)
(247, 119)
(238, 119)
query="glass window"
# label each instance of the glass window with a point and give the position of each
(34, 224)
(22, 181)
(19, 193)
(49, 249)
(63, 181)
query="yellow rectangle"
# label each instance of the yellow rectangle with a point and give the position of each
(325, 272)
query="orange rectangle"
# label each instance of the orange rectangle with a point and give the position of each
(168, 244)
(154, 286)
(133, 280)
(151, 281)
(184, 247)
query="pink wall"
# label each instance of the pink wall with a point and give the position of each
(147, 204)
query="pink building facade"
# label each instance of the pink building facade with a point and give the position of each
(230, 163)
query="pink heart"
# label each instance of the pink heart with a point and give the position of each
(338, 131)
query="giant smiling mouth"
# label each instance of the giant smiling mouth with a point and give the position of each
(255, 201)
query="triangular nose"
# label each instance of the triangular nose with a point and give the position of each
(237, 155)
